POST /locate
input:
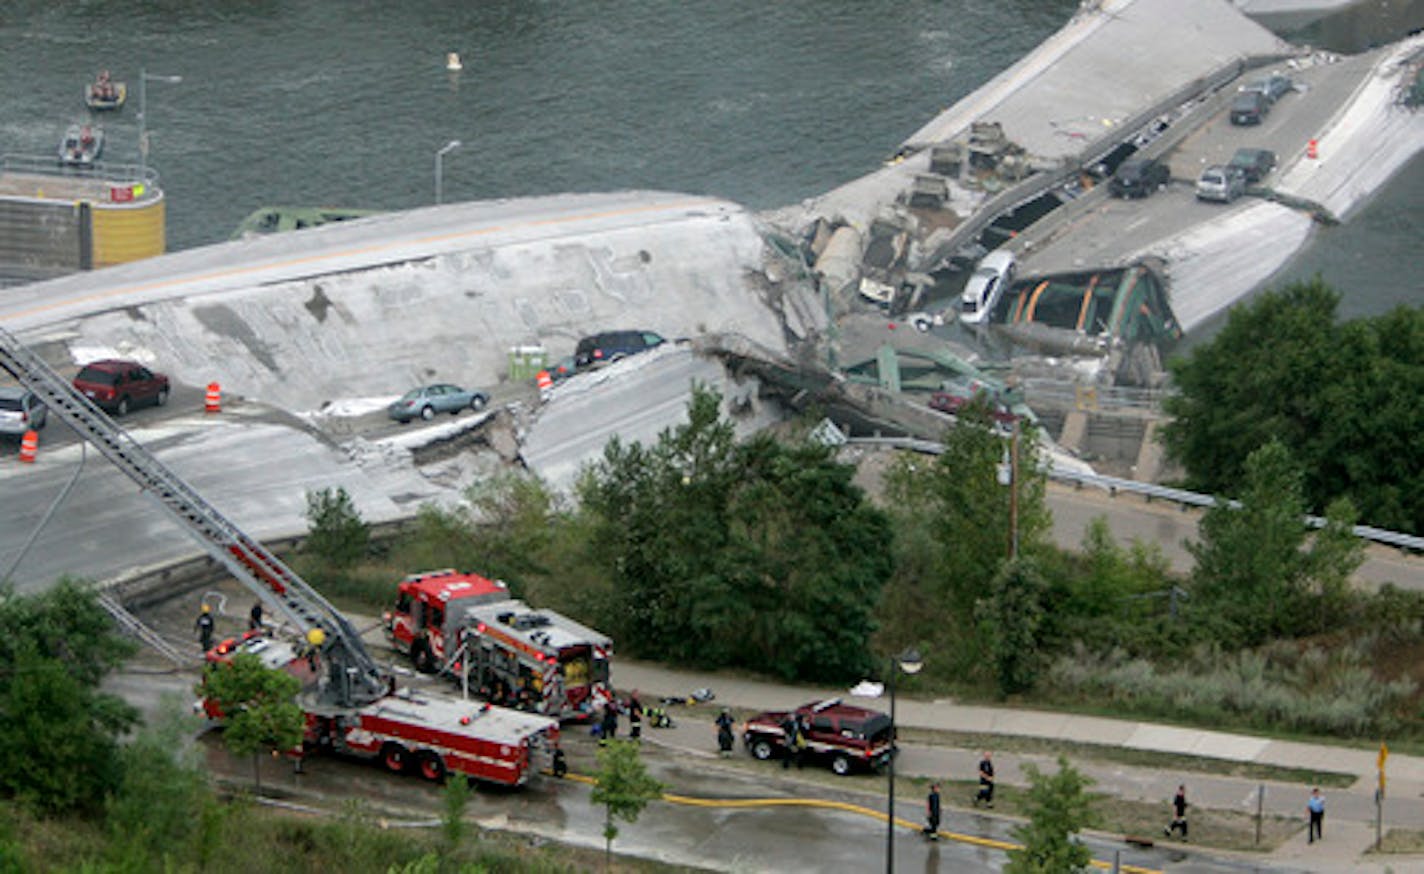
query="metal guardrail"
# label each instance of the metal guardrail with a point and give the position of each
(1112, 485)
(41, 165)
(1070, 393)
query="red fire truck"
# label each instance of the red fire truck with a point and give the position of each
(469, 627)
(431, 735)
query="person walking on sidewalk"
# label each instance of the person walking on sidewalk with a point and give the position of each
(1315, 806)
(986, 781)
(1179, 814)
(932, 813)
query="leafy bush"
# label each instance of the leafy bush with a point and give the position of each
(1276, 687)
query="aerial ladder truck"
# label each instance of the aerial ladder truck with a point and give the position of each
(352, 707)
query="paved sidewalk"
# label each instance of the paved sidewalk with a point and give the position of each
(1350, 811)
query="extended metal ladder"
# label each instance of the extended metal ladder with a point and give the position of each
(355, 677)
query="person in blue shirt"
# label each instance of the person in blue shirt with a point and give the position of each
(1316, 808)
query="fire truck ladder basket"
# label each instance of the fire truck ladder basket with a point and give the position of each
(355, 677)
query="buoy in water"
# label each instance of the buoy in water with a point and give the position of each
(452, 61)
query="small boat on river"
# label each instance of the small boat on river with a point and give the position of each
(81, 146)
(104, 94)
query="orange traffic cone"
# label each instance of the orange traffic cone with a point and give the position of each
(212, 402)
(29, 445)
(1312, 150)
(545, 382)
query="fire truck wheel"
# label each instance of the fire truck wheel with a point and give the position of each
(761, 749)
(431, 766)
(841, 765)
(393, 758)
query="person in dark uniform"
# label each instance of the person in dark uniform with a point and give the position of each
(724, 732)
(609, 723)
(986, 781)
(791, 732)
(204, 626)
(1179, 814)
(932, 813)
(635, 716)
(254, 619)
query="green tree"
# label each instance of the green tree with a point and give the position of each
(58, 733)
(953, 522)
(337, 535)
(1254, 576)
(1011, 618)
(1058, 808)
(624, 788)
(259, 713)
(1345, 397)
(150, 818)
(760, 554)
(455, 800)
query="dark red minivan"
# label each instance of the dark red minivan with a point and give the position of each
(119, 386)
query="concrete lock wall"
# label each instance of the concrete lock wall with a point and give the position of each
(40, 237)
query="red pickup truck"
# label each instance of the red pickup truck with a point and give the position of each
(847, 737)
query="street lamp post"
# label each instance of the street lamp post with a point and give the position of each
(143, 77)
(908, 662)
(440, 157)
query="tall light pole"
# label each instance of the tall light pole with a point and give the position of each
(908, 662)
(1009, 476)
(143, 77)
(439, 157)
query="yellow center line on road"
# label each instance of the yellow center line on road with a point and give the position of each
(296, 261)
(974, 840)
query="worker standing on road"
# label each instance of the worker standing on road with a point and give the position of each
(986, 781)
(204, 626)
(1315, 806)
(791, 731)
(724, 732)
(1179, 814)
(932, 813)
(254, 619)
(635, 717)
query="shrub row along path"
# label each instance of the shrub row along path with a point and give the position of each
(1350, 812)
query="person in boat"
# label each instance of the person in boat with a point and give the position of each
(104, 88)
(86, 137)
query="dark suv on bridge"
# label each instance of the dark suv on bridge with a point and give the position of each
(612, 345)
(1139, 177)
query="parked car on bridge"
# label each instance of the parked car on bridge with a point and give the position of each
(844, 736)
(428, 400)
(21, 411)
(1221, 183)
(1254, 164)
(1249, 107)
(613, 345)
(116, 386)
(1272, 87)
(1139, 177)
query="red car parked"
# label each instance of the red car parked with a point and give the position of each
(118, 386)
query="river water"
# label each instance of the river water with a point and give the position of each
(347, 102)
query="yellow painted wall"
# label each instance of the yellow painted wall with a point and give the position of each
(126, 232)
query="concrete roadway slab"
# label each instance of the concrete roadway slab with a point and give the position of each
(255, 472)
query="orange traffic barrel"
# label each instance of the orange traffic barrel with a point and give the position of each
(545, 381)
(29, 445)
(212, 401)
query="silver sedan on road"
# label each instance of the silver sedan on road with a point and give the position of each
(426, 401)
